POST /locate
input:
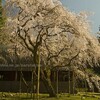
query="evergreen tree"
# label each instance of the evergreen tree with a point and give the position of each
(3, 29)
(2, 19)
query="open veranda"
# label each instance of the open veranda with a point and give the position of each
(29, 96)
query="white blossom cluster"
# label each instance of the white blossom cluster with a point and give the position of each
(64, 34)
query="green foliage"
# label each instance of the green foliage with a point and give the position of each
(3, 30)
(90, 70)
(2, 19)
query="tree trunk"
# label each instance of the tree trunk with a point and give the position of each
(47, 82)
(49, 87)
(45, 77)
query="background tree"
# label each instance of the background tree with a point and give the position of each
(3, 35)
(2, 19)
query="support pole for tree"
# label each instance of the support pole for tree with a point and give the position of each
(69, 81)
(32, 85)
(85, 82)
(57, 84)
(20, 83)
(73, 83)
(38, 80)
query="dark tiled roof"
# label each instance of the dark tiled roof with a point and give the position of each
(27, 67)
(11, 67)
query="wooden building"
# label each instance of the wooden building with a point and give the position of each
(11, 81)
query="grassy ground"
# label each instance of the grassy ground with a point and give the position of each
(24, 96)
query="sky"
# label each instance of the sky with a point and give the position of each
(92, 6)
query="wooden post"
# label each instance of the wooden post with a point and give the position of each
(69, 80)
(73, 81)
(16, 75)
(32, 84)
(38, 80)
(57, 83)
(20, 83)
(85, 83)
